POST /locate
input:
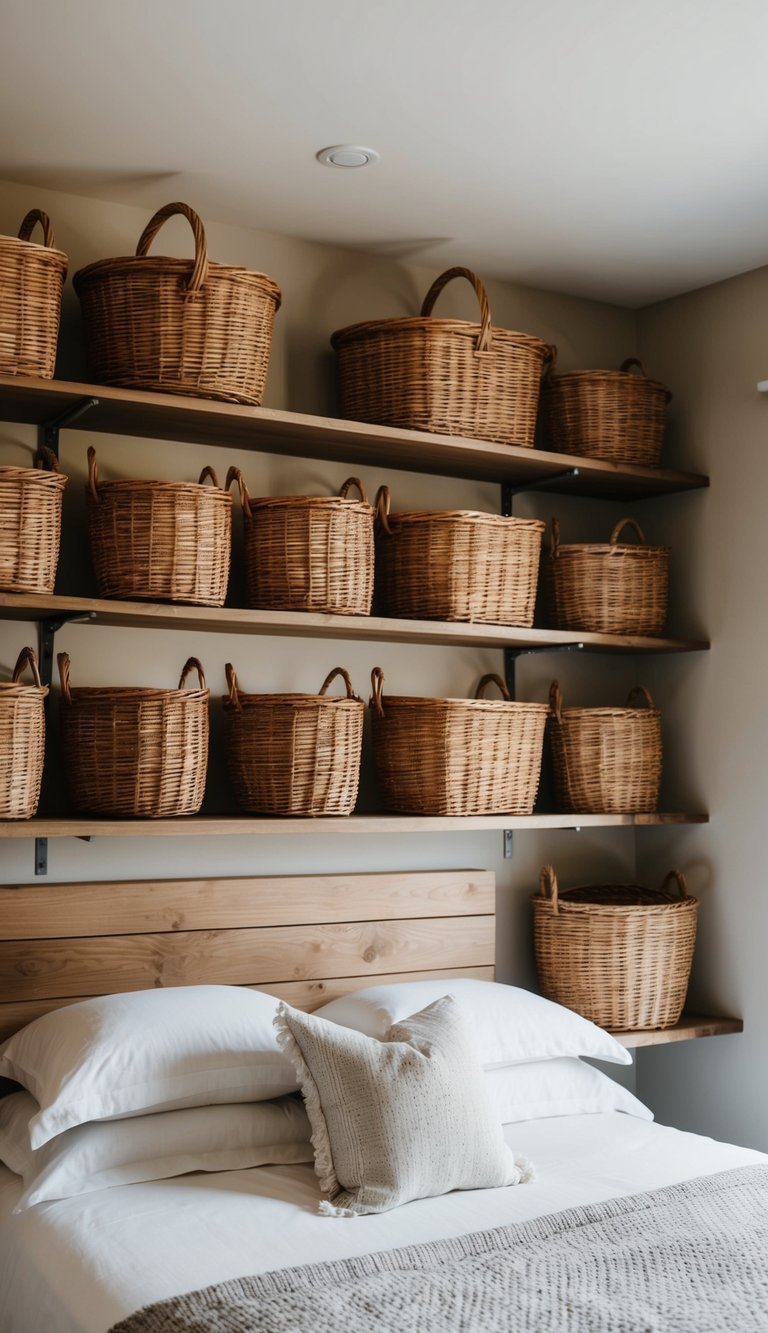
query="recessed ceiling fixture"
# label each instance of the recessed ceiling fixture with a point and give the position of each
(347, 155)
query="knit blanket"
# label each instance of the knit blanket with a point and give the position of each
(689, 1258)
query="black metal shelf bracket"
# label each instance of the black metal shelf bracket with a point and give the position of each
(48, 431)
(510, 489)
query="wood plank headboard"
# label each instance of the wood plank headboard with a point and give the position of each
(304, 938)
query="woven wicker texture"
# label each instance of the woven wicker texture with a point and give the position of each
(135, 752)
(444, 375)
(30, 525)
(608, 414)
(308, 553)
(606, 760)
(162, 541)
(31, 281)
(22, 740)
(178, 325)
(457, 756)
(457, 565)
(610, 587)
(619, 954)
(294, 754)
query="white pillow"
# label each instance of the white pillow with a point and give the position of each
(510, 1025)
(149, 1147)
(557, 1087)
(150, 1050)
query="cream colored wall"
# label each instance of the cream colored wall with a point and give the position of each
(323, 288)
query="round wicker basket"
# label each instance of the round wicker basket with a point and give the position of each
(608, 587)
(30, 525)
(31, 282)
(22, 740)
(608, 414)
(606, 760)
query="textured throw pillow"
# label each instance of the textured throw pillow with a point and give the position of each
(557, 1087)
(403, 1118)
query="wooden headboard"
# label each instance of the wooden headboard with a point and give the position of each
(305, 938)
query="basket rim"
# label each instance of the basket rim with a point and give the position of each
(608, 548)
(665, 902)
(103, 693)
(275, 501)
(12, 472)
(52, 251)
(132, 263)
(606, 710)
(559, 377)
(497, 520)
(428, 324)
(494, 704)
(216, 493)
(9, 688)
(292, 700)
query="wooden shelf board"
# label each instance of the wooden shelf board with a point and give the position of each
(238, 620)
(689, 1026)
(200, 421)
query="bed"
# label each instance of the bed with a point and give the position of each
(85, 1263)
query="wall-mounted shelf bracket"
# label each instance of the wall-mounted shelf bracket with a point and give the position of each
(47, 631)
(507, 844)
(511, 655)
(510, 489)
(48, 431)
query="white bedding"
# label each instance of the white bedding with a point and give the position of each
(81, 1264)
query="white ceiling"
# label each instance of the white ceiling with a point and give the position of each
(609, 148)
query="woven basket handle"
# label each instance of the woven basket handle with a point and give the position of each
(348, 484)
(554, 541)
(382, 509)
(633, 361)
(377, 685)
(62, 661)
(235, 474)
(46, 459)
(492, 679)
(27, 658)
(29, 222)
(232, 686)
(199, 272)
(338, 672)
(679, 878)
(208, 474)
(627, 523)
(93, 473)
(639, 694)
(556, 699)
(484, 340)
(548, 885)
(192, 664)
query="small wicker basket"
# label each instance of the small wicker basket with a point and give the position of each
(135, 752)
(457, 756)
(22, 740)
(606, 760)
(609, 587)
(178, 325)
(161, 541)
(308, 553)
(30, 525)
(294, 754)
(457, 565)
(619, 954)
(31, 281)
(608, 414)
(444, 375)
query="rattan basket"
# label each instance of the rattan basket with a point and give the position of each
(161, 541)
(457, 756)
(444, 375)
(457, 565)
(294, 754)
(178, 325)
(31, 281)
(619, 954)
(308, 553)
(22, 740)
(609, 587)
(606, 760)
(135, 752)
(608, 414)
(30, 525)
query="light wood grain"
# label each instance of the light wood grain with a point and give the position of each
(689, 1026)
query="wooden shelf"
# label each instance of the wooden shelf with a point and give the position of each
(238, 620)
(690, 1026)
(200, 421)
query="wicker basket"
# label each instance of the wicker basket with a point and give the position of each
(608, 414)
(610, 587)
(457, 756)
(619, 954)
(443, 375)
(30, 525)
(135, 752)
(22, 740)
(308, 553)
(294, 754)
(457, 565)
(162, 541)
(31, 281)
(178, 325)
(606, 760)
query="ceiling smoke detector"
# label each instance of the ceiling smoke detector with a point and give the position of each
(347, 155)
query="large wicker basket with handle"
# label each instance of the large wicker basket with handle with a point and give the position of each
(30, 525)
(31, 281)
(307, 552)
(457, 565)
(22, 740)
(606, 760)
(135, 752)
(609, 587)
(609, 414)
(178, 325)
(444, 375)
(161, 541)
(619, 954)
(457, 756)
(294, 754)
